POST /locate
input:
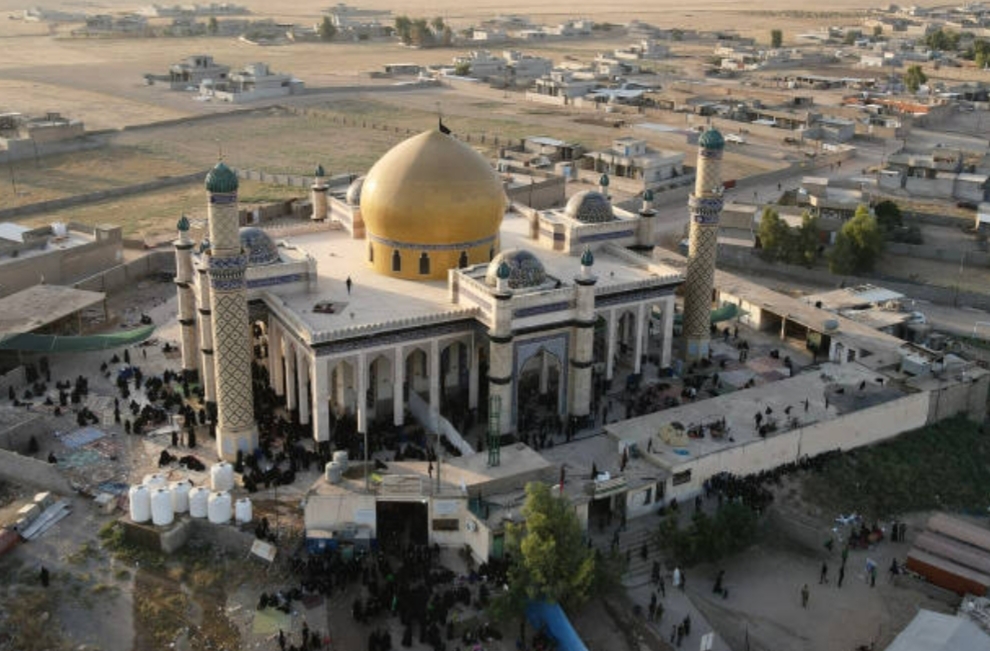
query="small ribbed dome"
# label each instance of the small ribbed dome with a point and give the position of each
(221, 180)
(648, 195)
(183, 224)
(589, 207)
(258, 247)
(525, 269)
(711, 139)
(603, 180)
(353, 196)
(587, 258)
(319, 173)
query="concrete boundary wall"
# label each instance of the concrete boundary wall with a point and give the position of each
(19, 469)
(93, 197)
(17, 438)
(125, 274)
(852, 430)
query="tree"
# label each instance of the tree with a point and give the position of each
(858, 245)
(850, 36)
(774, 235)
(888, 215)
(403, 29)
(914, 78)
(327, 29)
(776, 38)
(462, 68)
(806, 242)
(212, 26)
(437, 24)
(549, 559)
(943, 39)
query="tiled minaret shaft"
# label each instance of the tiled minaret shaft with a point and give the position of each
(705, 206)
(226, 265)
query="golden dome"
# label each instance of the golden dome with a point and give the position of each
(432, 189)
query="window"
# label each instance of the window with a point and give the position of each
(463, 260)
(446, 524)
(681, 478)
(424, 264)
(371, 253)
(396, 261)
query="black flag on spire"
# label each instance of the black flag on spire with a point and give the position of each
(443, 129)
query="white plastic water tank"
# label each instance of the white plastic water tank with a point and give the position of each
(334, 472)
(199, 502)
(243, 511)
(222, 476)
(340, 457)
(180, 495)
(219, 507)
(161, 507)
(155, 480)
(140, 503)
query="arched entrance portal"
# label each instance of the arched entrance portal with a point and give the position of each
(380, 399)
(342, 395)
(539, 396)
(454, 382)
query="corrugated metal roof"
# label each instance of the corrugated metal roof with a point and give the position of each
(931, 631)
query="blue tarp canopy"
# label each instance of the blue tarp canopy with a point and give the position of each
(544, 614)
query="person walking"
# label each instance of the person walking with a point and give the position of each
(804, 596)
(823, 575)
(348, 283)
(44, 576)
(842, 575)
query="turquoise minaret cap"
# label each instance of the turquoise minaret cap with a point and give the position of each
(648, 195)
(319, 171)
(603, 181)
(221, 180)
(183, 224)
(503, 271)
(587, 258)
(711, 139)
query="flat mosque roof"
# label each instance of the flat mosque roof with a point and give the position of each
(38, 306)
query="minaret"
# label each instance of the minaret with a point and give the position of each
(647, 222)
(584, 337)
(226, 264)
(705, 205)
(500, 350)
(187, 301)
(319, 195)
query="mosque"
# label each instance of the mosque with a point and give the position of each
(431, 303)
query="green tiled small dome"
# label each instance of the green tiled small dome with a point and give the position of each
(603, 181)
(712, 139)
(221, 180)
(587, 258)
(648, 195)
(183, 224)
(320, 173)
